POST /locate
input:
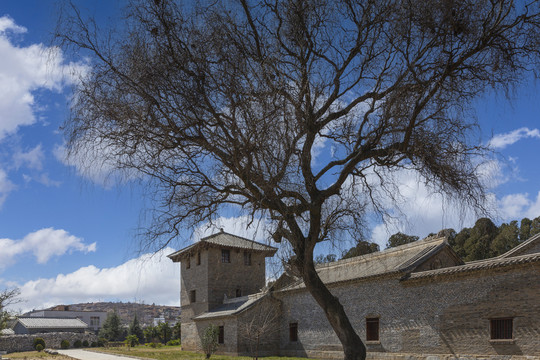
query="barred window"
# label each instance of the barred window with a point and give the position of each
(247, 258)
(221, 336)
(192, 296)
(225, 256)
(501, 329)
(372, 329)
(293, 332)
(198, 258)
(188, 262)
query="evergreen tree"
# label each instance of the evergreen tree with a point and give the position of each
(458, 242)
(400, 239)
(507, 238)
(362, 248)
(111, 329)
(525, 229)
(177, 331)
(164, 332)
(478, 245)
(535, 227)
(135, 329)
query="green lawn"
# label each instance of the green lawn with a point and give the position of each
(174, 353)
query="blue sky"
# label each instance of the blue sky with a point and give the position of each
(68, 236)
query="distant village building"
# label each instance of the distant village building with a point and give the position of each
(93, 319)
(417, 300)
(40, 325)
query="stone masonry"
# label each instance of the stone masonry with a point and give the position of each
(18, 343)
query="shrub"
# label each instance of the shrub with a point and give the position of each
(64, 344)
(102, 341)
(175, 342)
(85, 343)
(132, 340)
(94, 344)
(39, 341)
(77, 344)
(209, 340)
(39, 348)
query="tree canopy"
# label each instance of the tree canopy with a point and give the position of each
(111, 329)
(227, 106)
(135, 329)
(400, 239)
(485, 240)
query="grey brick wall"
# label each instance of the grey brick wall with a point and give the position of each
(431, 316)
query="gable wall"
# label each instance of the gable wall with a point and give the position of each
(443, 316)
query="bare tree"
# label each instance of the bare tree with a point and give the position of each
(225, 105)
(261, 323)
(7, 297)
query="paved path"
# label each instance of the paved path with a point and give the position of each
(91, 355)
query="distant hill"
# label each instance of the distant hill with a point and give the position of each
(145, 312)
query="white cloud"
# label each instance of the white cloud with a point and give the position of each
(6, 186)
(501, 141)
(418, 210)
(241, 226)
(518, 206)
(24, 70)
(151, 278)
(33, 159)
(7, 23)
(43, 244)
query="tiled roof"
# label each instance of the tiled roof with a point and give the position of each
(223, 239)
(232, 306)
(477, 265)
(7, 332)
(396, 260)
(52, 323)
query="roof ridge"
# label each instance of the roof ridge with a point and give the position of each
(423, 242)
(520, 246)
(236, 236)
(478, 265)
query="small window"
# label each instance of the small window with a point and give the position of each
(198, 258)
(372, 329)
(247, 258)
(188, 262)
(192, 296)
(221, 335)
(501, 329)
(293, 332)
(94, 320)
(225, 256)
(238, 293)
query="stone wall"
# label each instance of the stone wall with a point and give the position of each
(448, 315)
(17, 343)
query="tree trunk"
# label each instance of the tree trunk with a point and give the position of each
(353, 346)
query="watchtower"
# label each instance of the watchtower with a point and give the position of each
(217, 267)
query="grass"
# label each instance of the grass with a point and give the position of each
(174, 353)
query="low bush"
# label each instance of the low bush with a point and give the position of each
(77, 344)
(39, 341)
(94, 344)
(64, 344)
(39, 348)
(173, 342)
(85, 343)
